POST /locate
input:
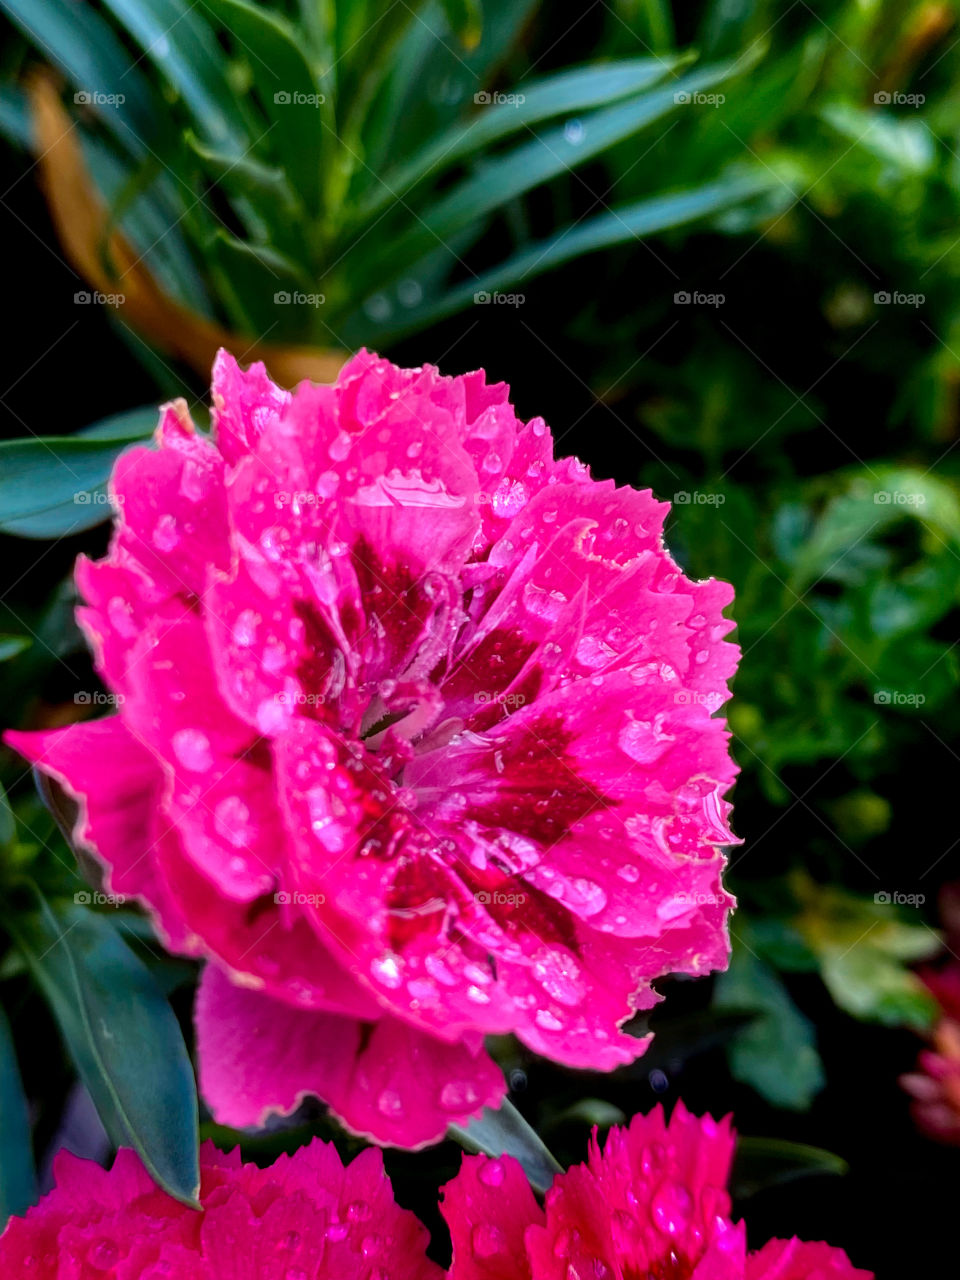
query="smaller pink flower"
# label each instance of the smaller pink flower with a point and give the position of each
(306, 1217)
(935, 1085)
(652, 1203)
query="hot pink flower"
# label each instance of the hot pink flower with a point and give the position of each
(307, 1217)
(415, 742)
(652, 1205)
(935, 1084)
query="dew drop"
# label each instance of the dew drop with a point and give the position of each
(390, 1104)
(165, 535)
(192, 748)
(492, 1171)
(486, 1240)
(458, 1095)
(671, 1208)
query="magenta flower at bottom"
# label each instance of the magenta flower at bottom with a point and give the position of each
(651, 1205)
(415, 742)
(306, 1217)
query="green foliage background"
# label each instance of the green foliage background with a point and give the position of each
(801, 409)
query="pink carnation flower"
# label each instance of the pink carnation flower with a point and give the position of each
(652, 1204)
(307, 1217)
(415, 742)
(935, 1084)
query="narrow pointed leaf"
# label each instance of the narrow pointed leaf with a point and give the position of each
(544, 157)
(505, 1132)
(767, 1162)
(56, 485)
(18, 1177)
(77, 40)
(617, 226)
(121, 1034)
(567, 91)
(289, 93)
(175, 37)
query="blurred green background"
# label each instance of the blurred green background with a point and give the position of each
(717, 246)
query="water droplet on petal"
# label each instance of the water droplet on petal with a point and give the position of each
(165, 535)
(390, 1104)
(192, 749)
(486, 1240)
(492, 1172)
(458, 1095)
(671, 1208)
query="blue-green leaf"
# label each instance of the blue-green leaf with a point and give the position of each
(77, 40)
(10, 646)
(768, 1162)
(617, 226)
(505, 1132)
(544, 157)
(56, 485)
(122, 1035)
(175, 37)
(289, 93)
(18, 1178)
(776, 1052)
(564, 93)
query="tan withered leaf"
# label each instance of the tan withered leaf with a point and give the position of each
(109, 263)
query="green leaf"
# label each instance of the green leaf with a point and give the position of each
(286, 85)
(175, 37)
(76, 39)
(863, 948)
(8, 825)
(871, 502)
(505, 1132)
(870, 985)
(56, 485)
(430, 77)
(542, 158)
(122, 1035)
(769, 1162)
(591, 1112)
(776, 1053)
(14, 117)
(466, 20)
(567, 91)
(10, 646)
(617, 226)
(18, 1178)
